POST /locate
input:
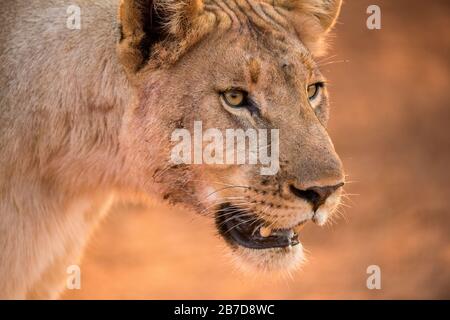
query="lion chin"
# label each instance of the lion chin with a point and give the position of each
(274, 260)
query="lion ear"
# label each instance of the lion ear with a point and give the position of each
(147, 24)
(313, 20)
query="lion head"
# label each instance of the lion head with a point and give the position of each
(235, 64)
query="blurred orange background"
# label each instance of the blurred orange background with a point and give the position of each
(390, 122)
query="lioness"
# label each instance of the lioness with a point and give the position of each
(87, 115)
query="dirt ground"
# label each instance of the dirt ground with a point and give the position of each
(390, 124)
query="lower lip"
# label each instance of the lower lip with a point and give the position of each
(234, 235)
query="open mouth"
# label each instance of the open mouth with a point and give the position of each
(238, 227)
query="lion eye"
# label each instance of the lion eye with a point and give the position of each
(234, 98)
(314, 90)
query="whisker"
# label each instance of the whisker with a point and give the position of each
(228, 187)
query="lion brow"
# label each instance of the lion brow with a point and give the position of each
(254, 68)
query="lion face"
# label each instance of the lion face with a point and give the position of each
(248, 71)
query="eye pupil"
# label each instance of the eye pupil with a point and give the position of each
(234, 98)
(313, 90)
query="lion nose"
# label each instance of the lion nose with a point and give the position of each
(315, 195)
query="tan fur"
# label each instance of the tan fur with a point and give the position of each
(86, 117)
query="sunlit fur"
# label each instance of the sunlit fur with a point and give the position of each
(86, 118)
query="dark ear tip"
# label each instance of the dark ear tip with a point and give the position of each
(140, 28)
(120, 32)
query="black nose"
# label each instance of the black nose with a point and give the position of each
(315, 195)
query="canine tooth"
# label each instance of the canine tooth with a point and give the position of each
(265, 232)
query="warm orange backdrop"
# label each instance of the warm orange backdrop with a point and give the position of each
(391, 125)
